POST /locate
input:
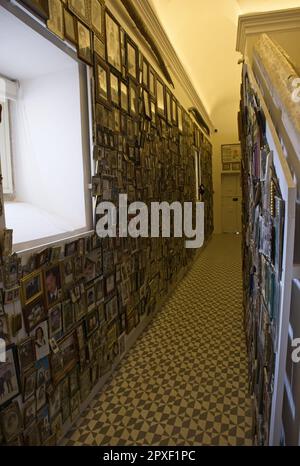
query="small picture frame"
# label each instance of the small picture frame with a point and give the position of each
(180, 118)
(8, 372)
(97, 18)
(113, 42)
(39, 7)
(111, 309)
(145, 73)
(68, 315)
(31, 287)
(67, 268)
(109, 284)
(92, 322)
(160, 96)
(147, 105)
(99, 48)
(90, 298)
(152, 82)
(133, 99)
(168, 106)
(26, 354)
(70, 27)
(33, 314)
(114, 89)
(174, 111)
(55, 321)
(132, 59)
(226, 167)
(11, 421)
(81, 9)
(102, 81)
(29, 384)
(84, 36)
(52, 284)
(55, 23)
(124, 96)
(41, 340)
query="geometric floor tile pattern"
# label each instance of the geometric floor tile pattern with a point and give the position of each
(185, 380)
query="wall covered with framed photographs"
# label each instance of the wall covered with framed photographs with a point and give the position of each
(67, 310)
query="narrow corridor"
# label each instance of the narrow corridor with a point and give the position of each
(185, 381)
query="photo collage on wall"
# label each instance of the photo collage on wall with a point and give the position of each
(66, 311)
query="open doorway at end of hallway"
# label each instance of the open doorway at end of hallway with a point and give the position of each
(231, 203)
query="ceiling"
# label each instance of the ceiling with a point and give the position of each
(24, 53)
(204, 33)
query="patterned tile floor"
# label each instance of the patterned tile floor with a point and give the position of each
(185, 380)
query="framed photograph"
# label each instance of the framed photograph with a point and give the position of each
(4, 330)
(70, 27)
(102, 81)
(54, 403)
(174, 111)
(55, 321)
(26, 354)
(124, 97)
(111, 309)
(90, 298)
(39, 7)
(179, 117)
(160, 96)
(152, 82)
(29, 412)
(31, 435)
(73, 381)
(133, 99)
(109, 284)
(153, 112)
(168, 106)
(31, 287)
(97, 18)
(132, 59)
(85, 51)
(113, 42)
(99, 48)
(11, 421)
(43, 375)
(117, 120)
(89, 268)
(29, 384)
(147, 105)
(92, 322)
(43, 422)
(145, 73)
(231, 153)
(41, 340)
(9, 383)
(52, 281)
(67, 271)
(34, 314)
(226, 167)
(114, 89)
(236, 166)
(99, 294)
(81, 9)
(68, 349)
(68, 315)
(70, 249)
(55, 23)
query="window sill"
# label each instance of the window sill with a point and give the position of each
(34, 227)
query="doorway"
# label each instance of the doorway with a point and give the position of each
(231, 203)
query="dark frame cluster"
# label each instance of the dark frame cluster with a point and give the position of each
(65, 313)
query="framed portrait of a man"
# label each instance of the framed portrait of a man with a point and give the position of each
(113, 42)
(52, 282)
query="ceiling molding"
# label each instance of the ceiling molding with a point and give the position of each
(271, 21)
(176, 69)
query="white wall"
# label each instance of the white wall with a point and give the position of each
(47, 145)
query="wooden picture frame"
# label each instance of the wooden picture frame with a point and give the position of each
(38, 7)
(32, 287)
(71, 31)
(169, 106)
(97, 18)
(81, 9)
(132, 59)
(102, 82)
(161, 97)
(85, 46)
(8, 372)
(113, 42)
(55, 23)
(133, 99)
(145, 73)
(114, 89)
